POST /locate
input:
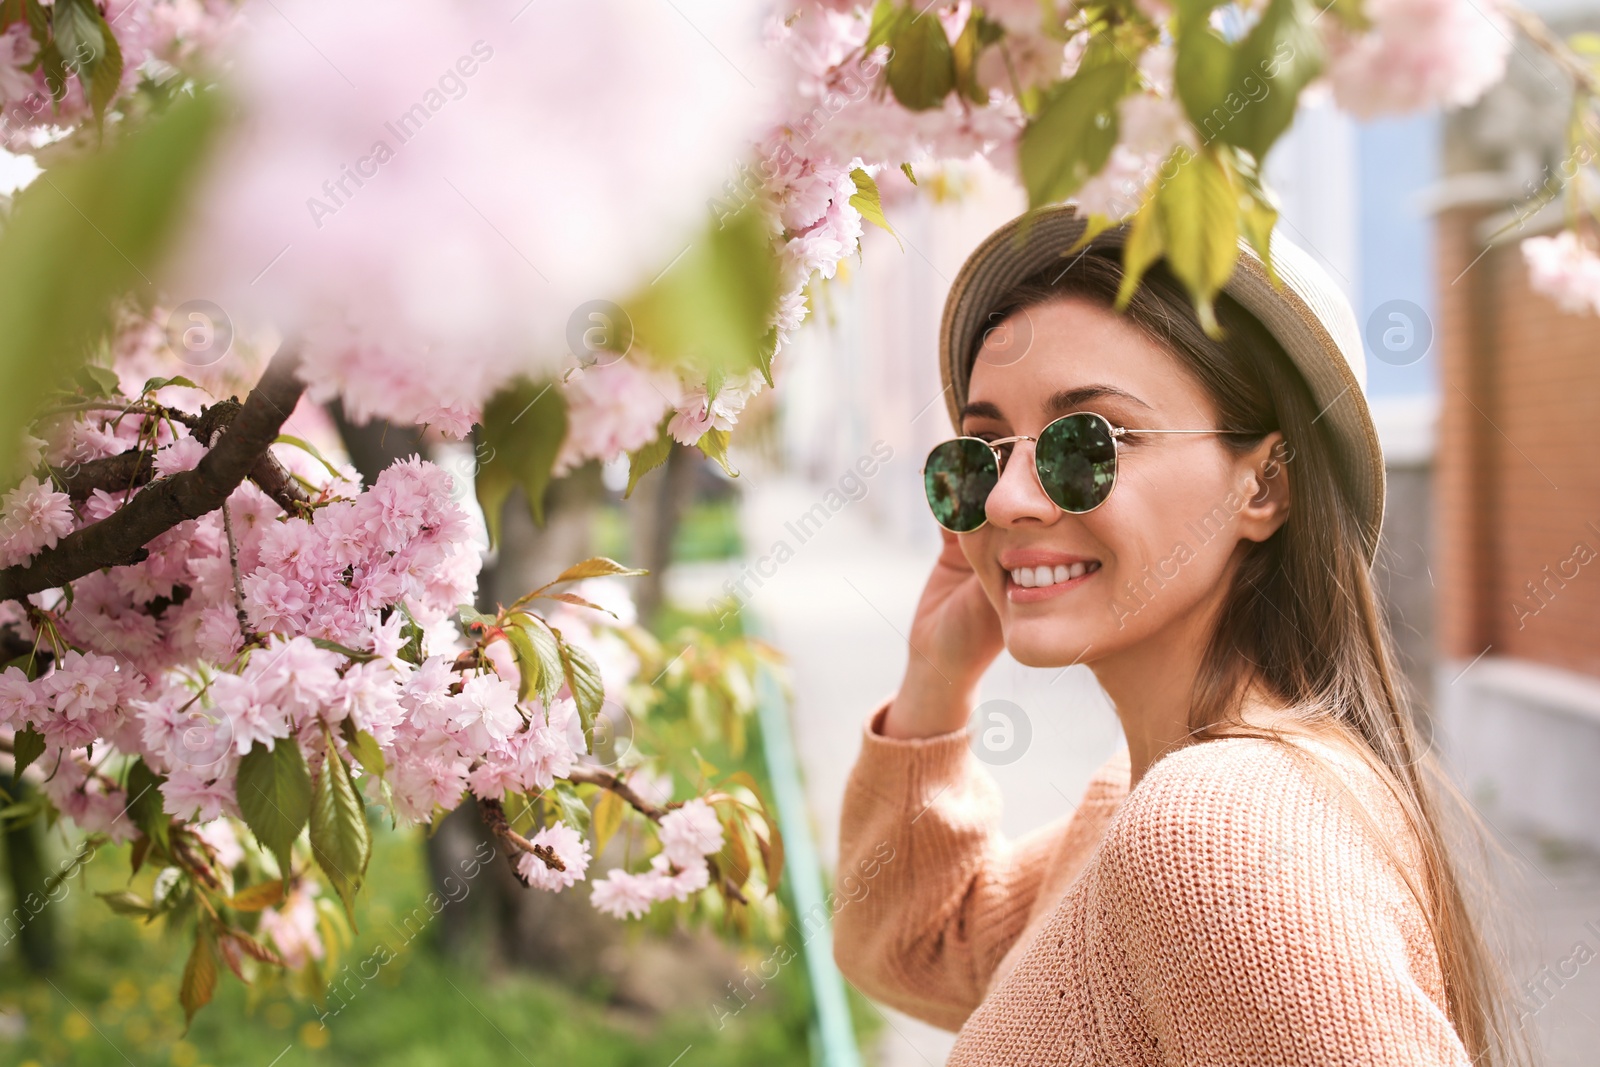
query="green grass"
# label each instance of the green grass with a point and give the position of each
(114, 1001)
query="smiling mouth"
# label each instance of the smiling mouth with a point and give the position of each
(1043, 577)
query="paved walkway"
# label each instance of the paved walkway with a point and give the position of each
(839, 607)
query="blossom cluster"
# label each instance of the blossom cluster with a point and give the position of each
(254, 627)
(1563, 268)
(154, 37)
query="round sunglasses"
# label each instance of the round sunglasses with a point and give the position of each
(1075, 458)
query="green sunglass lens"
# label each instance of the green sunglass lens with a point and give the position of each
(957, 478)
(1077, 460)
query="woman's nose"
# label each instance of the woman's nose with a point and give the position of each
(1018, 496)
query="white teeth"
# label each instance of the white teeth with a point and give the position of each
(1034, 577)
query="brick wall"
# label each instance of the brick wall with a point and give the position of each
(1517, 483)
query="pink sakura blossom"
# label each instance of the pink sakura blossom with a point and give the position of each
(17, 49)
(189, 794)
(503, 658)
(569, 846)
(1565, 270)
(681, 882)
(82, 686)
(292, 926)
(425, 694)
(613, 409)
(369, 695)
(181, 455)
(87, 799)
(690, 832)
(33, 516)
(423, 783)
(20, 699)
(625, 896)
(485, 712)
(697, 415)
(393, 272)
(224, 840)
(1418, 54)
(656, 788)
(252, 716)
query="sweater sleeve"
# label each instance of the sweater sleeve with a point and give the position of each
(1260, 923)
(930, 894)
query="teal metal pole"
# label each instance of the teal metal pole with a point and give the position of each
(837, 1037)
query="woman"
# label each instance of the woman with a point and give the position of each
(1258, 875)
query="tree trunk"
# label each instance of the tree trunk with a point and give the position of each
(32, 919)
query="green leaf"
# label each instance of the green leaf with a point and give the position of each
(305, 446)
(1203, 76)
(522, 430)
(153, 384)
(910, 176)
(82, 37)
(588, 691)
(708, 313)
(1198, 211)
(578, 601)
(869, 202)
(275, 796)
(569, 806)
(921, 69)
(364, 747)
(83, 234)
(886, 18)
(608, 813)
(1192, 14)
(1281, 55)
(1071, 137)
(650, 456)
(199, 974)
(343, 650)
(144, 802)
(969, 43)
(1257, 215)
(27, 746)
(596, 567)
(259, 896)
(547, 647)
(714, 443)
(529, 666)
(339, 838)
(470, 615)
(98, 381)
(125, 903)
(1142, 249)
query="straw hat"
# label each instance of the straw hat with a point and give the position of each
(1310, 317)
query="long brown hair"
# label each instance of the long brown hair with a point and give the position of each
(1301, 619)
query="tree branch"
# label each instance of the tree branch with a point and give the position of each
(165, 502)
(135, 467)
(585, 773)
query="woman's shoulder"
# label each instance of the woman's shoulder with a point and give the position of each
(1241, 800)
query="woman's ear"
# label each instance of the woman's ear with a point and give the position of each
(1264, 480)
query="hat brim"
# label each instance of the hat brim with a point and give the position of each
(1308, 315)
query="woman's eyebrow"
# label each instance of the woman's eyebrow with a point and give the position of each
(981, 409)
(1068, 399)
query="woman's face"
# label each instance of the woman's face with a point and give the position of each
(1158, 553)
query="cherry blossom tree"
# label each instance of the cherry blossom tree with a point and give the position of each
(221, 646)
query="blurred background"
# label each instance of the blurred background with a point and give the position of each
(1487, 399)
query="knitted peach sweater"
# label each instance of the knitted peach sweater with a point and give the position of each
(1230, 910)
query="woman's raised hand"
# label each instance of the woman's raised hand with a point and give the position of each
(954, 637)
